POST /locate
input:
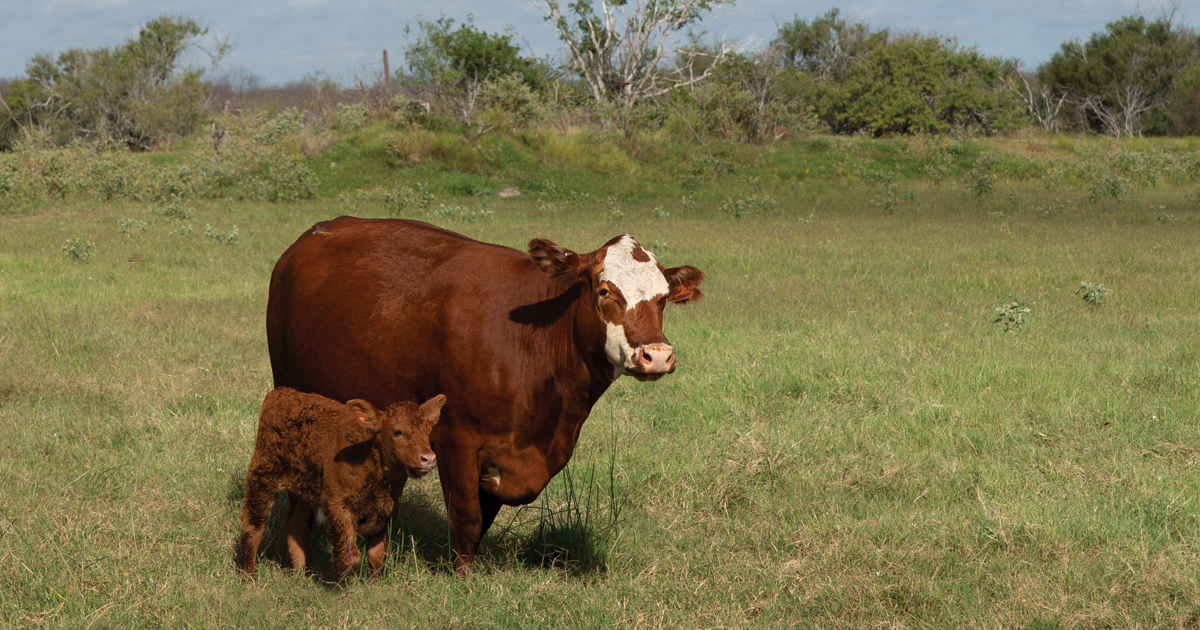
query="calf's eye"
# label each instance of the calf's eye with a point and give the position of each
(603, 292)
(397, 433)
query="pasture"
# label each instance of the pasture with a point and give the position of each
(849, 440)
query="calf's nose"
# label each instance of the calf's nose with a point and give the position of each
(428, 460)
(656, 358)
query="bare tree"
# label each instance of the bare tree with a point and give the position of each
(1043, 105)
(619, 51)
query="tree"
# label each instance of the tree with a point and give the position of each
(456, 65)
(828, 46)
(1042, 105)
(620, 52)
(918, 84)
(134, 94)
(1121, 80)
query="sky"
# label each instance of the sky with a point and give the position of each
(290, 40)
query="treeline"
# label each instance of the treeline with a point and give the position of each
(642, 70)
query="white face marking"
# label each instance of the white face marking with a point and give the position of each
(617, 349)
(637, 281)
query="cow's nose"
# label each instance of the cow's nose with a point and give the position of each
(656, 358)
(428, 461)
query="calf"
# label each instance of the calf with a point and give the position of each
(350, 461)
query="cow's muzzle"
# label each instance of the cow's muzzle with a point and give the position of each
(652, 361)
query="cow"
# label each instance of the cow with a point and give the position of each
(522, 343)
(348, 460)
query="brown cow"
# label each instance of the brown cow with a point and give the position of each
(523, 344)
(348, 460)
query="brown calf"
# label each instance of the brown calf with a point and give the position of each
(350, 461)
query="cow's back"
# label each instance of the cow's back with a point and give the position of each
(364, 308)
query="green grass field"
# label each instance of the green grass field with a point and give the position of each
(849, 441)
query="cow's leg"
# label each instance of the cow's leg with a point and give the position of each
(489, 507)
(256, 510)
(299, 525)
(459, 472)
(340, 525)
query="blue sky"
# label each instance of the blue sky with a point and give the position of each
(287, 40)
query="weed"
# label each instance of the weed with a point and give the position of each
(1011, 315)
(614, 213)
(232, 237)
(176, 210)
(808, 220)
(128, 225)
(661, 250)
(462, 213)
(350, 116)
(1162, 216)
(687, 204)
(887, 200)
(1093, 293)
(1107, 184)
(659, 213)
(1193, 197)
(78, 250)
(577, 199)
(747, 206)
(401, 199)
(879, 177)
(980, 180)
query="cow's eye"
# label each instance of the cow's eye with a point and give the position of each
(603, 292)
(397, 433)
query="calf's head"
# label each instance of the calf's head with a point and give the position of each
(403, 433)
(625, 291)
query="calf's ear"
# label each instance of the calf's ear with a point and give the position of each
(368, 420)
(432, 408)
(685, 283)
(553, 258)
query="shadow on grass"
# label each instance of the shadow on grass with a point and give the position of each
(570, 537)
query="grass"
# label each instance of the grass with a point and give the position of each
(848, 441)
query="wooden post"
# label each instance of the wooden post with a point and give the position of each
(387, 76)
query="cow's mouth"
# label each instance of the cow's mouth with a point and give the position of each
(647, 376)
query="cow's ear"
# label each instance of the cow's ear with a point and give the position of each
(553, 258)
(367, 425)
(432, 408)
(685, 283)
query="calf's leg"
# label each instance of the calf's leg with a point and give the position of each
(256, 510)
(299, 525)
(340, 525)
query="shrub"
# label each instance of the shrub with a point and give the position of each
(350, 117)
(128, 225)
(1107, 184)
(232, 237)
(747, 206)
(78, 250)
(1093, 293)
(1011, 315)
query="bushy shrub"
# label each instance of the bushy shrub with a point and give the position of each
(78, 250)
(1011, 315)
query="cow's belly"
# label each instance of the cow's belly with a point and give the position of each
(515, 478)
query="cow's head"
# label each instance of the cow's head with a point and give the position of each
(625, 291)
